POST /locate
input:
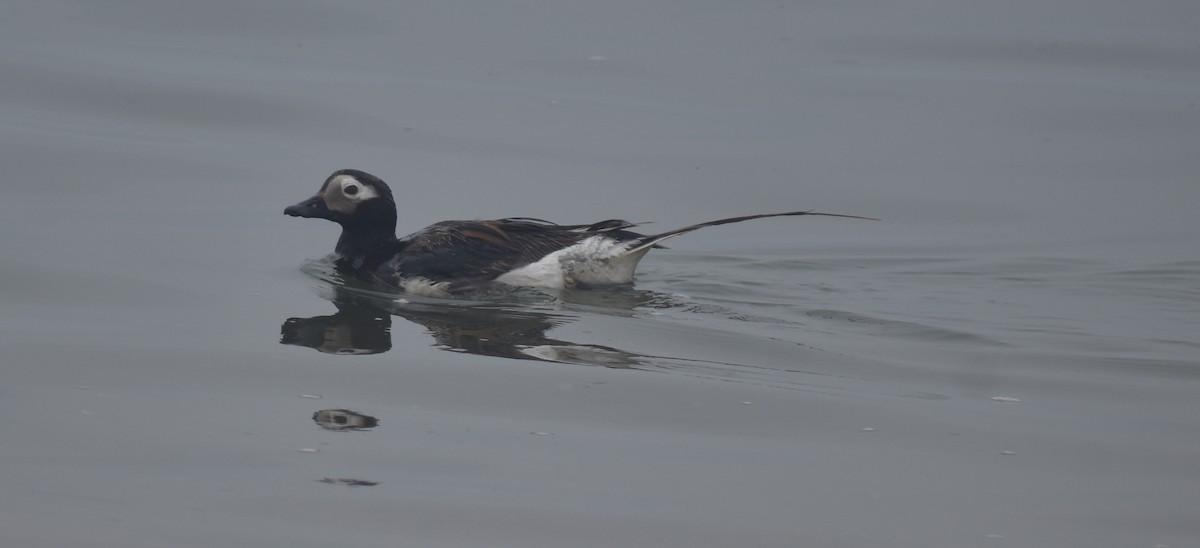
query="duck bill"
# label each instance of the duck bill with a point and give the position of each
(312, 208)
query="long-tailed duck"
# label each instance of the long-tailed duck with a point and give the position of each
(456, 256)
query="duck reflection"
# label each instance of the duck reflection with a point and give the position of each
(362, 325)
(356, 328)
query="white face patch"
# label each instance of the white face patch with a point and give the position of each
(345, 192)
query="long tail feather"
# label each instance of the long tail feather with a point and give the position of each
(653, 239)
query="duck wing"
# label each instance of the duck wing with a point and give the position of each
(483, 250)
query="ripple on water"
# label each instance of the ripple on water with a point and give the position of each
(913, 331)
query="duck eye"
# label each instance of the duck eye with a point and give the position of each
(350, 190)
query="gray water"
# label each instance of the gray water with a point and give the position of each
(1008, 359)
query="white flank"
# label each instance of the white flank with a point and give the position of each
(598, 260)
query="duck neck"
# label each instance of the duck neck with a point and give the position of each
(368, 236)
(358, 241)
(365, 248)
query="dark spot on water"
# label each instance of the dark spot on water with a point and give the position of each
(349, 482)
(344, 420)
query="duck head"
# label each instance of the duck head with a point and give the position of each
(350, 196)
(362, 203)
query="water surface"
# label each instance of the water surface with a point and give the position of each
(1009, 358)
